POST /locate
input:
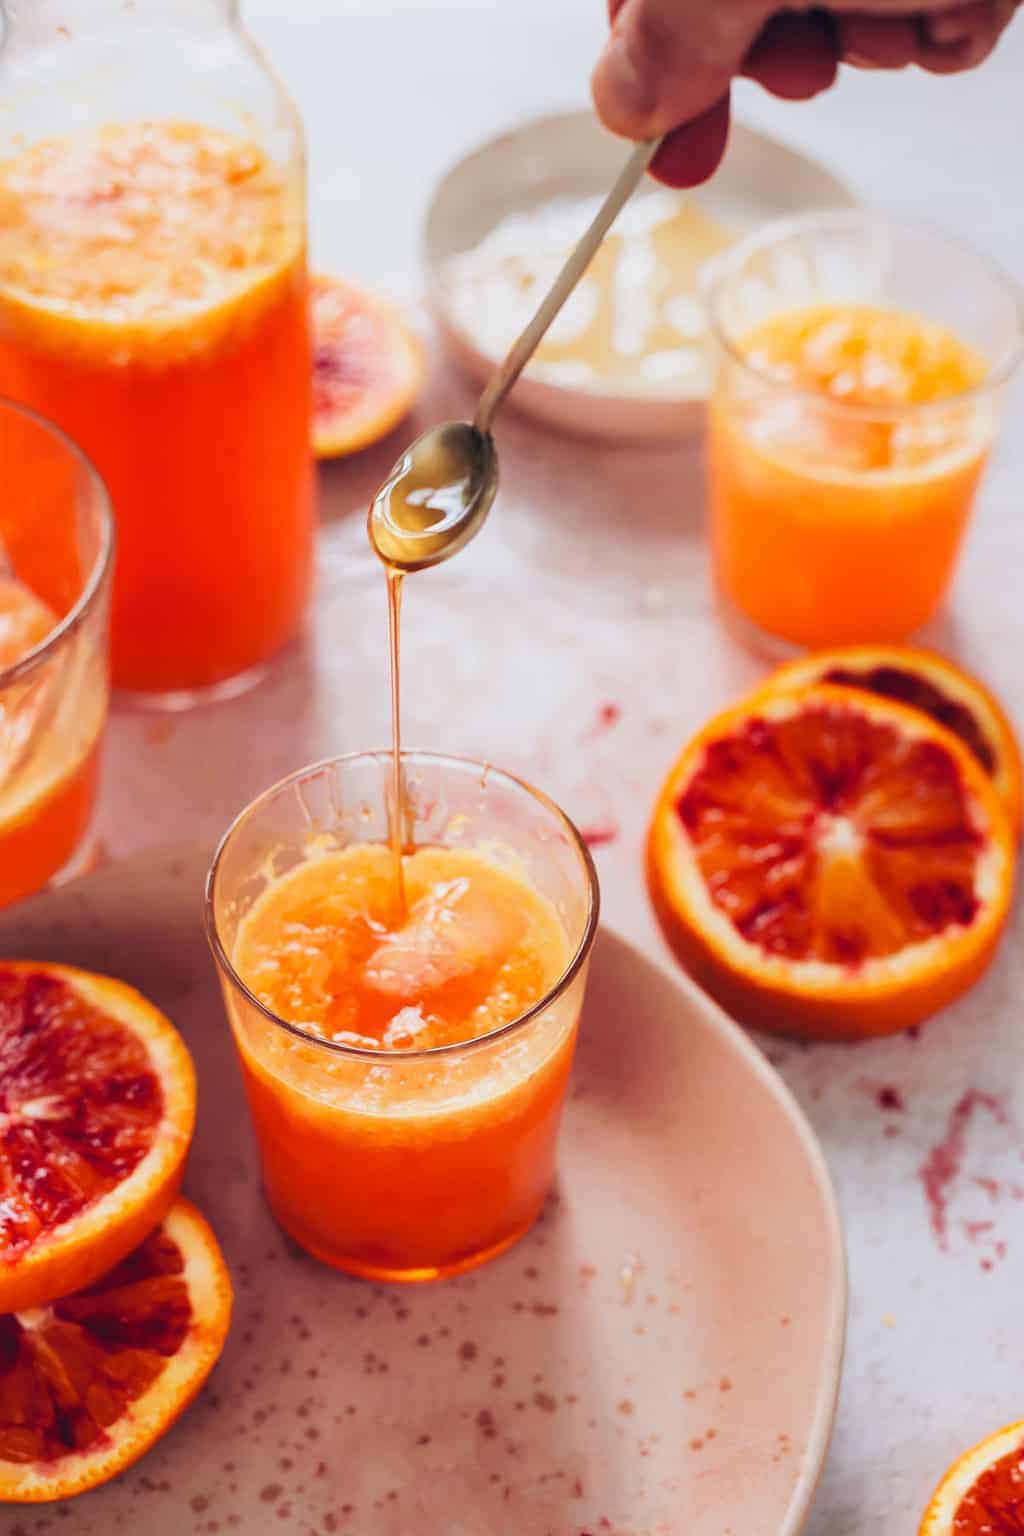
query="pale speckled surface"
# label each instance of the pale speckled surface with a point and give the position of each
(659, 1355)
(590, 588)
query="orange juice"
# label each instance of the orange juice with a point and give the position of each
(397, 1164)
(153, 303)
(844, 454)
(47, 773)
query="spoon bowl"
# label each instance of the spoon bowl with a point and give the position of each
(439, 493)
(436, 498)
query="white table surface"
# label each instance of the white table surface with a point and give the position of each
(590, 587)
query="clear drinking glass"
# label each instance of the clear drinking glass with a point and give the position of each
(56, 549)
(405, 1164)
(832, 521)
(153, 303)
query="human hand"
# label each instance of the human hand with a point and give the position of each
(668, 65)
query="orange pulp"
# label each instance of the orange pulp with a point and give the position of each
(153, 303)
(394, 1165)
(841, 484)
(47, 781)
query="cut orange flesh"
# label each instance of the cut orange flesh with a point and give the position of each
(97, 1107)
(368, 368)
(928, 682)
(982, 1494)
(88, 1384)
(830, 864)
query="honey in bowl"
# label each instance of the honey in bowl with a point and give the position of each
(634, 324)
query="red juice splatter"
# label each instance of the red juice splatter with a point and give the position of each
(599, 833)
(890, 1098)
(942, 1165)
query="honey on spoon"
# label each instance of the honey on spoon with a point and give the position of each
(437, 497)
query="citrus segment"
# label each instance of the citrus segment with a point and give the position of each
(982, 1494)
(97, 1106)
(927, 682)
(830, 863)
(367, 368)
(88, 1383)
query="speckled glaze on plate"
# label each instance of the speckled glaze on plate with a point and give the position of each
(659, 1357)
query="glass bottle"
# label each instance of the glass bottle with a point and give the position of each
(153, 302)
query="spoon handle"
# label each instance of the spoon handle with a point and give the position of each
(501, 381)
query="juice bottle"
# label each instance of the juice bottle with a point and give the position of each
(153, 302)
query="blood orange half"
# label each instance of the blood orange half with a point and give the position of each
(97, 1107)
(830, 864)
(928, 682)
(88, 1384)
(982, 1494)
(368, 368)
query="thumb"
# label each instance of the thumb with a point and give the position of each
(669, 61)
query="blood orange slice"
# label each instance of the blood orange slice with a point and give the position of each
(88, 1383)
(830, 864)
(97, 1106)
(929, 682)
(982, 1494)
(368, 368)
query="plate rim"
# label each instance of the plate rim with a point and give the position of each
(729, 1034)
(736, 1039)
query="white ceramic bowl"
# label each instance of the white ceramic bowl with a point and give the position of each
(571, 156)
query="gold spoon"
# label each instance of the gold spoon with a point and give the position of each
(439, 493)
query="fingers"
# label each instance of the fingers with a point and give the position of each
(669, 61)
(795, 57)
(692, 153)
(877, 42)
(961, 38)
(943, 41)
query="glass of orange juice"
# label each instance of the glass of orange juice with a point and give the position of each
(153, 303)
(56, 559)
(862, 362)
(405, 1077)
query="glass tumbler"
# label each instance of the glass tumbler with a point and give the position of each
(405, 1164)
(56, 558)
(834, 521)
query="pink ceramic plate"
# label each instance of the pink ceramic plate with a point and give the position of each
(661, 1355)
